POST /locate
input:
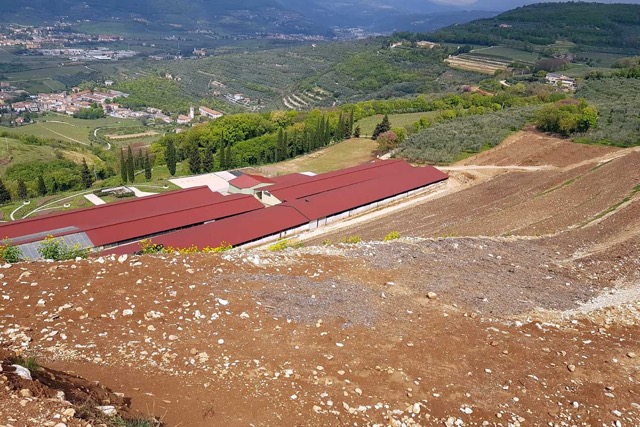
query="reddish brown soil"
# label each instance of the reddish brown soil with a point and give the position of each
(353, 334)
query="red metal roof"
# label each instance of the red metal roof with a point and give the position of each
(291, 179)
(332, 180)
(333, 202)
(236, 230)
(114, 213)
(121, 232)
(249, 181)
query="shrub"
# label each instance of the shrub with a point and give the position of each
(351, 240)
(283, 244)
(394, 235)
(224, 247)
(57, 250)
(148, 247)
(10, 253)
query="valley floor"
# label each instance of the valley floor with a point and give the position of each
(512, 299)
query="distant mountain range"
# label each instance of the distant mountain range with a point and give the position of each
(246, 16)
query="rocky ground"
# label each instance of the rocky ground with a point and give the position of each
(482, 326)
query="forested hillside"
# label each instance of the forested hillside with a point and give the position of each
(587, 24)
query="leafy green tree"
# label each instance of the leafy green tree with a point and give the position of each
(42, 187)
(22, 190)
(5, 196)
(85, 173)
(172, 157)
(131, 171)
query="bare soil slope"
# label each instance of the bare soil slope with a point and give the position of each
(525, 314)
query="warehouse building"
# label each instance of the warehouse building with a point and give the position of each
(252, 210)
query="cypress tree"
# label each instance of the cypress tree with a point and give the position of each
(85, 173)
(207, 160)
(195, 161)
(171, 157)
(5, 196)
(221, 159)
(22, 190)
(139, 160)
(54, 186)
(123, 167)
(285, 146)
(327, 132)
(382, 127)
(280, 146)
(340, 131)
(147, 167)
(229, 157)
(42, 188)
(351, 123)
(131, 171)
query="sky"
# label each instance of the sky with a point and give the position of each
(508, 4)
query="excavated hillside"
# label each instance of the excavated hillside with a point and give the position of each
(511, 299)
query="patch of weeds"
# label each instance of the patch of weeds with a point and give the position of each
(224, 247)
(57, 250)
(31, 363)
(394, 235)
(283, 244)
(135, 422)
(351, 240)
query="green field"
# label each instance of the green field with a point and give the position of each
(69, 129)
(368, 124)
(342, 155)
(508, 53)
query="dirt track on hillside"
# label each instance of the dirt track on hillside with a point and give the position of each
(512, 301)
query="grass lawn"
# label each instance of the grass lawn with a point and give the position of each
(368, 124)
(345, 154)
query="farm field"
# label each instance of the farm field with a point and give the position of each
(531, 184)
(58, 126)
(507, 53)
(342, 155)
(13, 152)
(368, 124)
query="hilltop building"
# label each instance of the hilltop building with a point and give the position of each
(561, 80)
(208, 112)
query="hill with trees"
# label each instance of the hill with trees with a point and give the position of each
(608, 26)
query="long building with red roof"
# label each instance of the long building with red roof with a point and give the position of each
(261, 209)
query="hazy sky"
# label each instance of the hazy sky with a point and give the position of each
(502, 4)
